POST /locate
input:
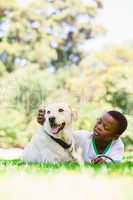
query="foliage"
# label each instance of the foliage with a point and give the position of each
(2, 69)
(86, 92)
(46, 33)
(11, 126)
(42, 36)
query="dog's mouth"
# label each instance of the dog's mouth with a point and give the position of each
(56, 128)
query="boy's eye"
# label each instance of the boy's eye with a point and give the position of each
(48, 111)
(61, 110)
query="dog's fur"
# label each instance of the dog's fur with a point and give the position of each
(43, 148)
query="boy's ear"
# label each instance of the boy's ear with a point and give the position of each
(116, 136)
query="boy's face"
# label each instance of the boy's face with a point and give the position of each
(106, 128)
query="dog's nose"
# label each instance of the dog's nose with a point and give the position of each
(52, 119)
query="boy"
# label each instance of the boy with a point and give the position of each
(105, 138)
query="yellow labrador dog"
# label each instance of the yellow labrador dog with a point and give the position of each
(54, 142)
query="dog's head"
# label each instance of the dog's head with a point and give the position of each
(58, 116)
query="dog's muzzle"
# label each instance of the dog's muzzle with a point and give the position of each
(52, 121)
(55, 128)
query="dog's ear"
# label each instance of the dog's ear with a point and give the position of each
(74, 115)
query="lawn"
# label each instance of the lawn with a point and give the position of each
(19, 180)
(17, 166)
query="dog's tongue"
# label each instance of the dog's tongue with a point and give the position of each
(55, 129)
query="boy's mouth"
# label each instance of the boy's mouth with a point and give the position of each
(96, 133)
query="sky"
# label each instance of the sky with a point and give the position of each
(117, 18)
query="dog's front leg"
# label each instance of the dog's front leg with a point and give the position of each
(76, 153)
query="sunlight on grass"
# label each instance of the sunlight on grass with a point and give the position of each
(17, 166)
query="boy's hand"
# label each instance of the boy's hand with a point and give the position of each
(98, 161)
(40, 116)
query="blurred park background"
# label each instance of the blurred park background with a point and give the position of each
(75, 51)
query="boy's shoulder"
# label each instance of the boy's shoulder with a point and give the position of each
(118, 143)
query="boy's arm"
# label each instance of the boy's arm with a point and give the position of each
(98, 161)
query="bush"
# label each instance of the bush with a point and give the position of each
(23, 91)
(12, 123)
(2, 69)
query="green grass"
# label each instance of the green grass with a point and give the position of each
(17, 166)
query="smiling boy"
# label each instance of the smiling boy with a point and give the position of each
(105, 138)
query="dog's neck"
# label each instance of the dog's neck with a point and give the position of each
(64, 138)
(60, 140)
(66, 135)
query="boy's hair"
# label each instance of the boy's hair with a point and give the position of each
(121, 120)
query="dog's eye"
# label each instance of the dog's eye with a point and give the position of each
(48, 111)
(61, 110)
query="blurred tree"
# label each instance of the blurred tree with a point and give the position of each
(46, 33)
(118, 83)
(106, 77)
(101, 81)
